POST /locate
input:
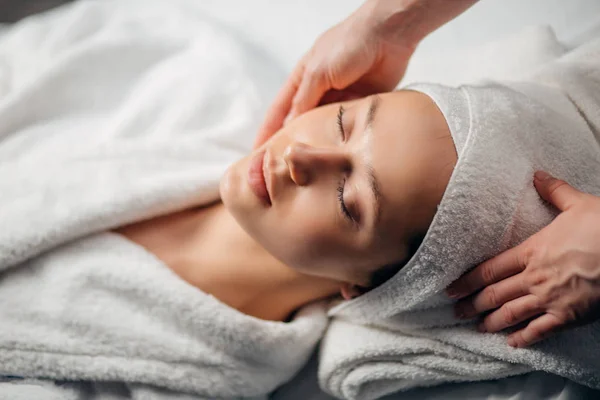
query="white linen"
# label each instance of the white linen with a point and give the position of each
(113, 112)
(537, 385)
(502, 133)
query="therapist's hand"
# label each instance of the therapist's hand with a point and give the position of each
(353, 59)
(552, 279)
(366, 53)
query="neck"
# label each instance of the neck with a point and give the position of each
(249, 279)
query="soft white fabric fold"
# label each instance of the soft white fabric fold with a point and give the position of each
(103, 309)
(403, 334)
(113, 112)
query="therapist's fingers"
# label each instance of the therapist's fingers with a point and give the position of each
(557, 192)
(492, 297)
(502, 266)
(538, 329)
(511, 313)
(280, 107)
(312, 87)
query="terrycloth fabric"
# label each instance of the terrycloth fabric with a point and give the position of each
(403, 334)
(103, 309)
(113, 112)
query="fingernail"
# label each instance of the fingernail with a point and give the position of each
(452, 293)
(512, 342)
(542, 176)
(481, 328)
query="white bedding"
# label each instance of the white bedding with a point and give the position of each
(285, 29)
(113, 112)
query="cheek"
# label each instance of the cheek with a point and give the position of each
(303, 232)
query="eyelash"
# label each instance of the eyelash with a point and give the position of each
(339, 122)
(340, 189)
(340, 196)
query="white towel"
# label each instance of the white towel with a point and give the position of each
(113, 112)
(403, 334)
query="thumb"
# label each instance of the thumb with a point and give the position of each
(555, 191)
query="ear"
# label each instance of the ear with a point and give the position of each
(350, 291)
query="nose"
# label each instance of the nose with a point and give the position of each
(306, 162)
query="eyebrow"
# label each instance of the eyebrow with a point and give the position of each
(374, 186)
(373, 106)
(373, 182)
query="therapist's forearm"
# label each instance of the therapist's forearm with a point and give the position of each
(409, 21)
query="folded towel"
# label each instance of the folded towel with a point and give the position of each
(403, 334)
(113, 112)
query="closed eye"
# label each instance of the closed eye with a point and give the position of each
(345, 211)
(343, 207)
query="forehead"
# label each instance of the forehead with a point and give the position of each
(399, 139)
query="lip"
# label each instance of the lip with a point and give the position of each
(256, 178)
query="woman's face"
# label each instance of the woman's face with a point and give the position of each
(339, 191)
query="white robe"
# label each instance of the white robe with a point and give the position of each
(112, 112)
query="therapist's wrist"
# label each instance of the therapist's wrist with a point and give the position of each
(406, 22)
